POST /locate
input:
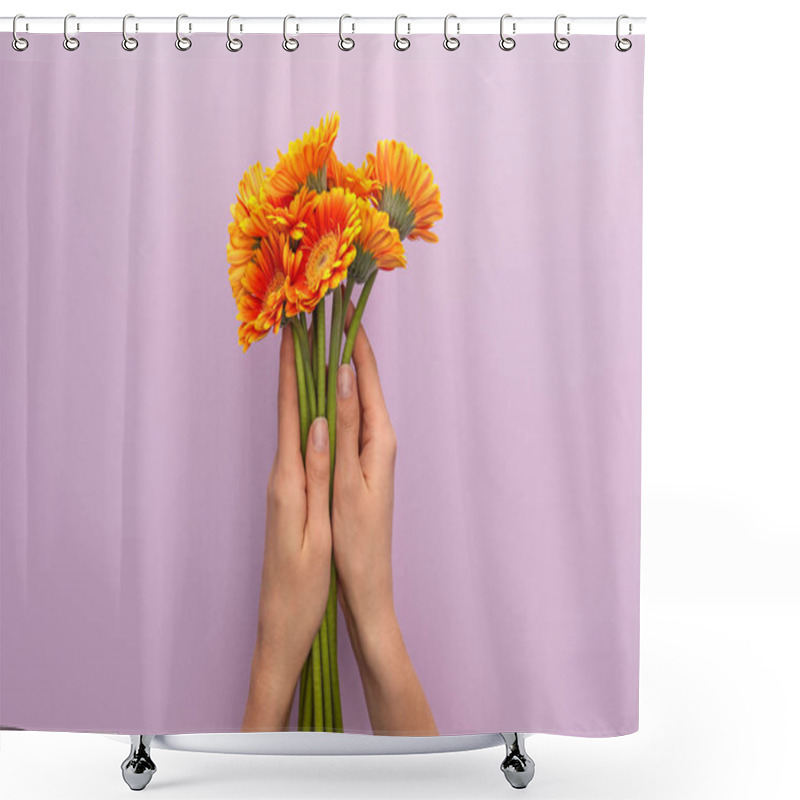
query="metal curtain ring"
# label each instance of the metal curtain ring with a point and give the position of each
(623, 45)
(128, 42)
(70, 42)
(17, 42)
(561, 43)
(233, 44)
(289, 44)
(401, 42)
(182, 42)
(345, 42)
(507, 42)
(451, 42)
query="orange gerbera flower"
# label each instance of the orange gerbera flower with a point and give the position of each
(353, 178)
(262, 299)
(291, 219)
(244, 236)
(327, 247)
(304, 163)
(409, 196)
(252, 187)
(378, 245)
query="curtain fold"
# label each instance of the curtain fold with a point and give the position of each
(137, 437)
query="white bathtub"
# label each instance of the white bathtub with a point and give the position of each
(138, 768)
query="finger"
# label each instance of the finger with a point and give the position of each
(318, 466)
(288, 408)
(370, 392)
(348, 415)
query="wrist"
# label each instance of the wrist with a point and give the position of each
(273, 668)
(377, 640)
(270, 695)
(371, 607)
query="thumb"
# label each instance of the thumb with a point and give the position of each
(318, 461)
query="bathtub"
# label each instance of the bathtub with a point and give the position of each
(139, 767)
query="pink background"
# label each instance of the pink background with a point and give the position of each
(135, 438)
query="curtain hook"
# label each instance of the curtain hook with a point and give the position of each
(17, 42)
(507, 42)
(289, 44)
(401, 42)
(345, 42)
(129, 43)
(623, 45)
(182, 42)
(561, 43)
(451, 42)
(70, 42)
(233, 44)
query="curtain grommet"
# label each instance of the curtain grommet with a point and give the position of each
(183, 43)
(346, 43)
(401, 43)
(561, 43)
(17, 42)
(233, 44)
(290, 44)
(70, 43)
(129, 43)
(623, 44)
(507, 42)
(451, 43)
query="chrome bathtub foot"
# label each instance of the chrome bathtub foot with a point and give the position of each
(138, 768)
(517, 766)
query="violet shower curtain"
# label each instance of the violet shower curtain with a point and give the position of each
(145, 205)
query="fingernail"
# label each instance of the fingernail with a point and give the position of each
(344, 381)
(319, 434)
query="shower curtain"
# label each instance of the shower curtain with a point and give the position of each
(170, 220)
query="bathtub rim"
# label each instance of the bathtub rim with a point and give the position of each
(290, 743)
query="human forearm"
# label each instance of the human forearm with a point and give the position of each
(395, 699)
(269, 699)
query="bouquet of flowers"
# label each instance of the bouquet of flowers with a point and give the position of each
(308, 228)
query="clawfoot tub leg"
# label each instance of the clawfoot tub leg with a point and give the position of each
(517, 766)
(138, 768)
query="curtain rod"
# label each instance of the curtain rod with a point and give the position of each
(302, 24)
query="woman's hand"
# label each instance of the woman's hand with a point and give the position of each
(363, 501)
(297, 556)
(363, 489)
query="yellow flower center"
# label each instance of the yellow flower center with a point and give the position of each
(321, 258)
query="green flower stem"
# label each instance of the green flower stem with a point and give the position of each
(333, 366)
(324, 636)
(310, 390)
(332, 611)
(356, 321)
(314, 339)
(301, 387)
(327, 700)
(320, 706)
(311, 713)
(302, 699)
(319, 354)
(306, 716)
(316, 683)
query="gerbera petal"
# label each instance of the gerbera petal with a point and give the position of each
(327, 247)
(408, 195)
(304, 164)
(378, 244)
(261, 300)
(353, 178)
